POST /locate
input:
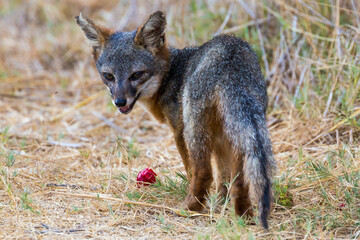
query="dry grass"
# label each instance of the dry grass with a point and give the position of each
(68, 159)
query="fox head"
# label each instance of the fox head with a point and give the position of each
(131, 64)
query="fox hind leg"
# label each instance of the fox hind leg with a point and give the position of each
(201, 173)
(223, 158)
(240, 188)
(197, 139)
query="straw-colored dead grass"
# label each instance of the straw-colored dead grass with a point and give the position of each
(69, 159)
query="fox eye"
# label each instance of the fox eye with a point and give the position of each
(136, 75)
(108, 76)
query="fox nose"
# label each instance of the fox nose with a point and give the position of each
(120, 102)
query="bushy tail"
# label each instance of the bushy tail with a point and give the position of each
(258, 166)
(246, 127)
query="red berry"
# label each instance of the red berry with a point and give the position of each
(145, 177)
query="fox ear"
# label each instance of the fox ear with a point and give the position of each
(97, 35)
(151, 35)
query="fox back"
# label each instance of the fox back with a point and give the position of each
(213, 97)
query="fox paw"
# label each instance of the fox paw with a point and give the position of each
(193, 203)
(243, 209)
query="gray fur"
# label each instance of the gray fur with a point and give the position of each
(214, 99)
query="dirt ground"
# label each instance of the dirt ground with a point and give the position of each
(69, 159)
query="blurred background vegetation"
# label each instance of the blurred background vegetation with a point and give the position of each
(57, 123)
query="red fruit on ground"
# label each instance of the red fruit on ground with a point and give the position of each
(145, 177)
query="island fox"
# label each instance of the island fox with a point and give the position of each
(213, 97)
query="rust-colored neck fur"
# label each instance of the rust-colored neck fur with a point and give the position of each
(153, 106)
